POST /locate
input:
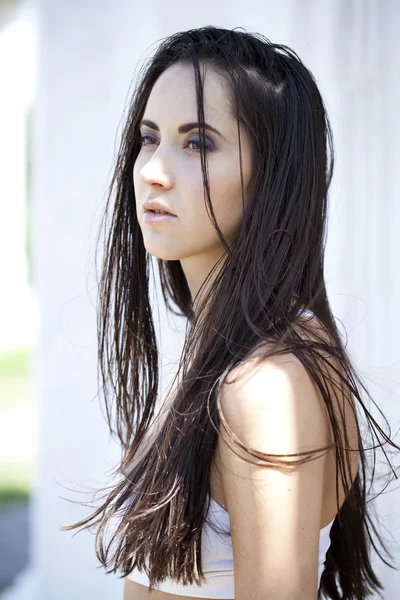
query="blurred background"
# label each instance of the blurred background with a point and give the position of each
(65, 72)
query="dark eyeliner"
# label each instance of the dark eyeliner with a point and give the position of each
(207, 145)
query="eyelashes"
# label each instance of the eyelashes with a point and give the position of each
(207, 147)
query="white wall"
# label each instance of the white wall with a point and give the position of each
(88, 52)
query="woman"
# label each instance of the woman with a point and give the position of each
(251, 481)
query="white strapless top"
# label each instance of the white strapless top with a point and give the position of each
(217, 558)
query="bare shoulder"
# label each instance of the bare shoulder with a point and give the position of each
(273, 406)
(257, 379)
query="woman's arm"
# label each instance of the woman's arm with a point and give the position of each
(275, 515)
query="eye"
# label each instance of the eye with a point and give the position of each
(206, 146)
(151, 140)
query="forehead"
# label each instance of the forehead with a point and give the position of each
(173, 96)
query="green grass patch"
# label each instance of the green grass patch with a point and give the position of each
(16, 363)
(11, 496)
(15, 482)
(15, 392)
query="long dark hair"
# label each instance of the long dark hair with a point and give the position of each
(271, 272)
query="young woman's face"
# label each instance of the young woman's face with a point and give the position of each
(168, 168)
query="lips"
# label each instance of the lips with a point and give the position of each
(152, 218)
(151, 205)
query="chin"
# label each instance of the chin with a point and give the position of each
(164, 255)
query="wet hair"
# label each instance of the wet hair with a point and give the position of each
(272, 270)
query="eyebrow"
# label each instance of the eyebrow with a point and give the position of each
(185, 128)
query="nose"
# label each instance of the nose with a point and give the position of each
(155, 174)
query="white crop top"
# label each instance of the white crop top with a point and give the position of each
(217, 558)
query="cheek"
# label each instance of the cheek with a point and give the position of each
(136, 174)
(142, 158)
(226, 195)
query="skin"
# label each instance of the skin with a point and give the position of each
(168, 169)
